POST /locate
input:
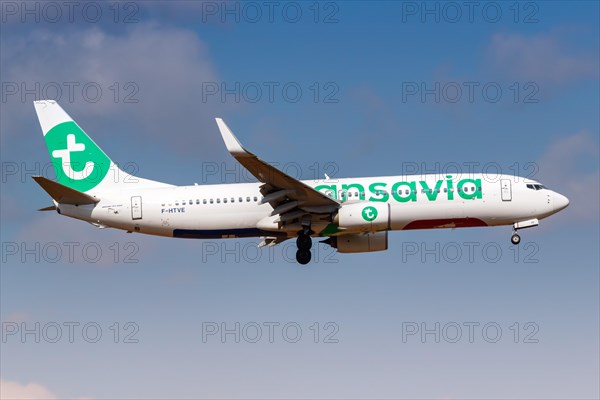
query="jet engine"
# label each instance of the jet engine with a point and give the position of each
(364, 217)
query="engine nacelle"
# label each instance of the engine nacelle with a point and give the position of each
(364, 217)
(360, 242)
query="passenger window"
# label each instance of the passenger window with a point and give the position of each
(176, 202)
(255, 198)
(197, 201)
(240, 199)
(211, 201)
(162, 205)
(218, 201)
(203, 201)
(247, 198)
(225, 200)
(445, 190)
(479, 189)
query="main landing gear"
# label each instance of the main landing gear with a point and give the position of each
(304, 243)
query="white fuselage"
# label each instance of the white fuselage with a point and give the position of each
(234, 210)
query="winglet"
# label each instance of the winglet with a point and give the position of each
(233, 145)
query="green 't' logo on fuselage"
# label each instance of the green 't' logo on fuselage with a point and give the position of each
(78, 162)
(369, 213)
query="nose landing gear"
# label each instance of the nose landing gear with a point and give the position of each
(515, 238)
(530, 223)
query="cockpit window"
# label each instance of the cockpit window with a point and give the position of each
(535, 186)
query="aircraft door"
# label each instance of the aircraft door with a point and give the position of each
(505, 189)
(136, 207)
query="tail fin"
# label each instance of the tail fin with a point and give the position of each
(78, 162)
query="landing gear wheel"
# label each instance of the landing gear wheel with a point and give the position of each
(303, 256)
(304, 242)
(515, 239)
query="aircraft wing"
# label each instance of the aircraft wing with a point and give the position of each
(289, 197)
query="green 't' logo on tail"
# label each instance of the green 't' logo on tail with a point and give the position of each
(78, 161)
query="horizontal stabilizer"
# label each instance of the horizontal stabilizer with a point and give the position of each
(49, 208)
(63, 194)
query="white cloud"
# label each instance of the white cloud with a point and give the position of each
(10, 390)
(570, 166)
(166, 67)
(17, 317)
(542, 58)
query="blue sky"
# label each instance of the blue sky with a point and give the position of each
(148, 80)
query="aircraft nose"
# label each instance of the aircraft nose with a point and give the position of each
(560, 201)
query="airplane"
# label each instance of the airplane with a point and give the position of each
(354, 215)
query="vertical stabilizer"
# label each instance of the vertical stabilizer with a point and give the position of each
(78, 162)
